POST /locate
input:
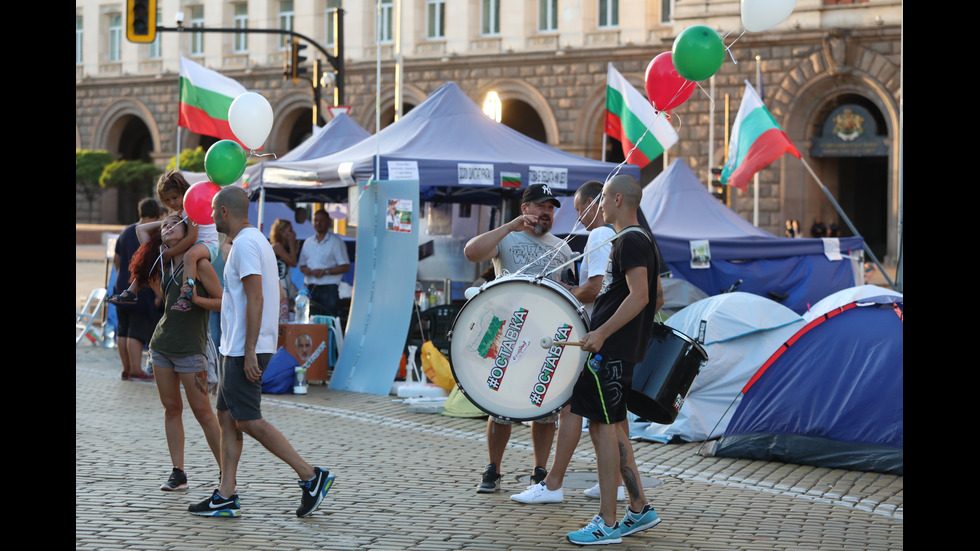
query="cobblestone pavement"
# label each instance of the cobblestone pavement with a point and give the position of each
(406, 481)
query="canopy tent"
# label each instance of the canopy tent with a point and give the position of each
(831, 396)
(452, 148)
(682, 212)
(341, 132)
(738, 331)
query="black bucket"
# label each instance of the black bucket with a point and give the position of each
(661, 381)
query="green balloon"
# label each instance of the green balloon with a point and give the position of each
(225, 162)
(698, 53)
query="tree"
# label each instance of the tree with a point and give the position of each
(134, 179)
(89, 165)
(191, 160)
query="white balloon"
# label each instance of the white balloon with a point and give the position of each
(250, 118)
(759, 15)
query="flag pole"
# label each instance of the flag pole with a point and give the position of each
(755, 199)
(847, 221)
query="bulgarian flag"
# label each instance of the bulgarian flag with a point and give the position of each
(632, 120)
(757, 141)
(205, 97)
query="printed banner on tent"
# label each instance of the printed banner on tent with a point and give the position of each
(549, 176)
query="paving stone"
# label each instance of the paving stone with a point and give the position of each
(417, 473)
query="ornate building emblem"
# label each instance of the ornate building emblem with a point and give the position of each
(848, 125)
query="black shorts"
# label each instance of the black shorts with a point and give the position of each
(134, 325)
(241, 397)
(600, 395)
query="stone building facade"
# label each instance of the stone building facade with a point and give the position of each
(827, 55)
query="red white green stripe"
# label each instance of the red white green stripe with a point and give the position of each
(757, 141)
(631, 119)
(205, 97)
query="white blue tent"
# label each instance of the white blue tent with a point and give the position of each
(831, 396)
(739, 332)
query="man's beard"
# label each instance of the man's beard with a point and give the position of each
(543, 226)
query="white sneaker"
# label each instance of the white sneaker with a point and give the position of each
(539, 493)
(593, 492)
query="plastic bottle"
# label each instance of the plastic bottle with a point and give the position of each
(299, 385)
(303, 307)
(595, 363)
(432, 296)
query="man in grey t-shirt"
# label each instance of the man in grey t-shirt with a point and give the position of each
(524, 242)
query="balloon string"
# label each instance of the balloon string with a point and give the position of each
(729, 47)
(252, 153)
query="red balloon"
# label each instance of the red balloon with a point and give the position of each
(666, 89)
(197, 202)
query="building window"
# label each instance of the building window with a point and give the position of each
(155, 49)
(435, 19)
(666, 11)
(240, 21)
(384, 22)
(78, 40)
(285, 22)
(197, 21)
(547, 16)
(115, 37)
(331, 33)
(490, 18)
(608, 13)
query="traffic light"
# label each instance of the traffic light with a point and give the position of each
(141, 20)
(718, 189)
(297, 59)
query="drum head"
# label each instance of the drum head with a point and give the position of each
(496, 348)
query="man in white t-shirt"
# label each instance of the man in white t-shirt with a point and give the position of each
(249, 335)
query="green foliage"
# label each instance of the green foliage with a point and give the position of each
(89, 165)
(120, 173)
(191, 160)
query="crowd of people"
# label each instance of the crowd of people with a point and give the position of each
(618, 283)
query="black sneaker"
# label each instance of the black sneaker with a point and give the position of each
(490, 482)
(538, 475)
(176, 483)
(217, 506)
(313, 491)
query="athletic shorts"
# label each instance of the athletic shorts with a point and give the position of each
(134, 325)
(241, 397)
(600, 395)
(195, 363)
(549, 419)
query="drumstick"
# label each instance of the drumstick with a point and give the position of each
(548, 342)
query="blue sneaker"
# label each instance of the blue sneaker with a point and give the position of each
(313, 491)
(596, 533)
(217, 506)
(635, 522)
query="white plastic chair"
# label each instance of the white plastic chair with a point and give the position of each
(89, 313)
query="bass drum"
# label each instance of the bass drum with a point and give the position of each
(506, 351)
(661, 381)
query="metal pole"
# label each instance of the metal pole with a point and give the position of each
(848, 222)
(711, 129)
(398, 59)
(755, 204)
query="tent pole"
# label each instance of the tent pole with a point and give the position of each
(847, 221)
(261, 220)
